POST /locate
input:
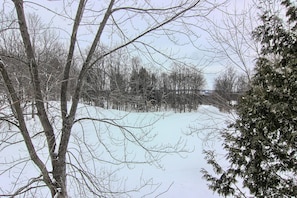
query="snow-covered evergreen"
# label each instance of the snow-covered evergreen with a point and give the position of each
(262, 143)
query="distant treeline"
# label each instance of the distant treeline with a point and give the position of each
(121, 82)
(158, 100)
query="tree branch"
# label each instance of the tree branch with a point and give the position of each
(70, 118)
(159, 25)
(65, 81)
(16, 106)
(50, 136)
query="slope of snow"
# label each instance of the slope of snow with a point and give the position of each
(172, 175)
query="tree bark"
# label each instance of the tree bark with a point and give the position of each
(39, 102)
(18, 112)
(66, 73)
(51, 140)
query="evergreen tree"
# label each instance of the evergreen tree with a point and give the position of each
(261, 145)
(140, 82)
(117, 82)
(134, 82)
(144, 82)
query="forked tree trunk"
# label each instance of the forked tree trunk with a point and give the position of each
(55, 180)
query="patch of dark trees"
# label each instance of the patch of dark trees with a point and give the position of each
(129, 87)
(143, 91)
(161, 100)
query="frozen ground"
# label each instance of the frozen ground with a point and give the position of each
(174, 175)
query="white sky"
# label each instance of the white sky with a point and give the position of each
(198, 57)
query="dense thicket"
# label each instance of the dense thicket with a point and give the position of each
(261, 145)
(123, 84)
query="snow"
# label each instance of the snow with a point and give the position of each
(172, 175)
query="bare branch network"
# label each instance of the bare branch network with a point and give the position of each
(46, 70)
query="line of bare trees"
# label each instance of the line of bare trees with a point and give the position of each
(229, 86)
(128, 85)
(120, 82)
(116, 82)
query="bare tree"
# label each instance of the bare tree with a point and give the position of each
(228, 87)
(49, 142)
(185, 84)
(224, 86)
(231, 39)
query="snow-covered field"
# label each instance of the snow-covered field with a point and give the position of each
(173, 175)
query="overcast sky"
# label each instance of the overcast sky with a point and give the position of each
(196, 53)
